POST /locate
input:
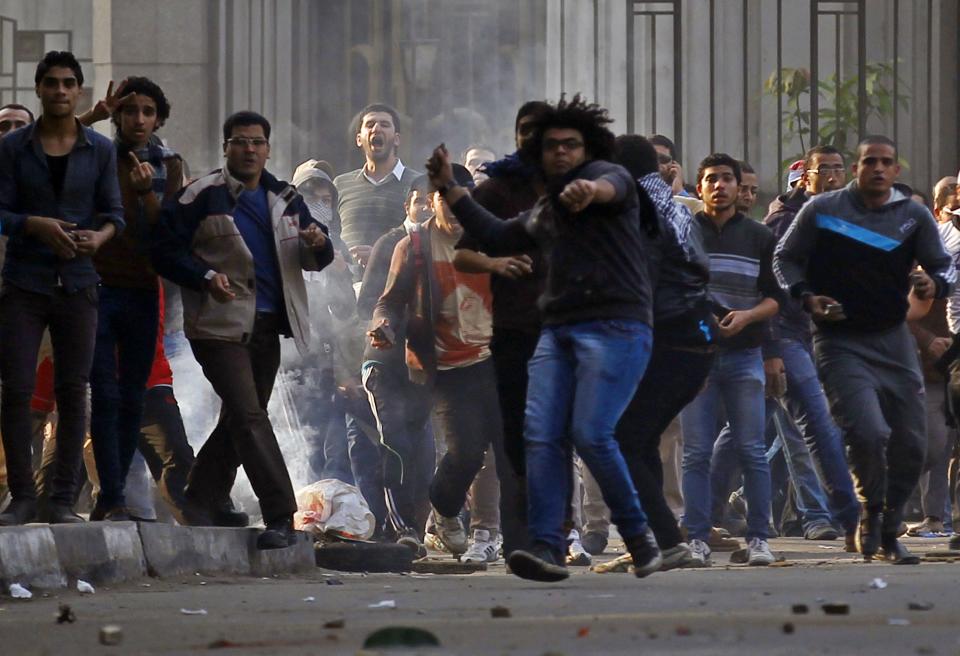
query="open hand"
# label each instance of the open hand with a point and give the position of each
(111, 102)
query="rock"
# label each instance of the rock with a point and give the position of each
(364, 557)
(110, 635)
(65, 615)
(800, 609)
(836, 608)
(739, 557)
(393, 637)
(788, 628)
(500, 611)
(335, 624)
(920, 605)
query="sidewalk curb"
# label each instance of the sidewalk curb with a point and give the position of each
(48, 557)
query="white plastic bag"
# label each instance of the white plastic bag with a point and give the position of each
(332, 506)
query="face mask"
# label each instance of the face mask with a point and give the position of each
(319, 211)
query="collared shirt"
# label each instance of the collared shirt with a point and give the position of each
(397, 172)
(90, 198)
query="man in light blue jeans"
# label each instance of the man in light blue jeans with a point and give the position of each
(743, 294)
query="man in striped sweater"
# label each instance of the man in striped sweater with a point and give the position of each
(372, 197)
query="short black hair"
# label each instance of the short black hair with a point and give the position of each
(875, 140)
(666, 142)
(146, 87)
(636, 154)
(246, 117)
(21, 108)
(746, 168)
(379, 107)
(421, 184)
(530, 108)
(589, 119)
(61, 59)
(719, 159)
(824, 149)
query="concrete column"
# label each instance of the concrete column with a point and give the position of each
(168, 43)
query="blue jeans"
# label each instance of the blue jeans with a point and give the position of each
(807, 404)
(735, 385)
(123, 356)
(790, 464)
(582, 376)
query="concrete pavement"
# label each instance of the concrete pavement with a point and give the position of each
(721, 610)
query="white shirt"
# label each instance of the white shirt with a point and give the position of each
(951, 241)
(397, 172)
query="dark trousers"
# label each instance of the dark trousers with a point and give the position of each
(72, 320)
(243, 376)
(365, 459)
(402, 411)
(126, 344)
(466, 414)
(672, 380)
(164, 446)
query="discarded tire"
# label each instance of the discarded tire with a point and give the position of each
(364, 557)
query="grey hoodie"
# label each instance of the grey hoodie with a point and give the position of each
(793, 319)
(862, 257)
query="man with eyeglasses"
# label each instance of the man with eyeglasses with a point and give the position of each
(850, 257)
(823, 171)
(236, 241)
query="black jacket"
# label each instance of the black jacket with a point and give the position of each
(793, 319)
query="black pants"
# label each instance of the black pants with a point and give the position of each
(407, 452)
(672, 380)
(164, 446)
(466, 415)
(72, 320)
(243, 376)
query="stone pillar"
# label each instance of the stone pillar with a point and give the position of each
(167, 42)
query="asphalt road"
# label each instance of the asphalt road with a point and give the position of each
(721, 610)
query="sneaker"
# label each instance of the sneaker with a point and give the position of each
(576, 554)
(482, 549)
(450, 532)
(759, 554)
(930, 527)
(411, 541)
(432, 542)
(700, 553)
(894, 552)
(647, 558)
(539, 563)
(594, 542)
(676, 557)
(821, 532)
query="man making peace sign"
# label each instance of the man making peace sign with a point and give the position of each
(129, 293)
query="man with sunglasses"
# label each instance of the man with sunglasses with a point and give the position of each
(850, 258)
(236, 241)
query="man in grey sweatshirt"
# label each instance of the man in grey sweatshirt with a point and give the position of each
(850, 257)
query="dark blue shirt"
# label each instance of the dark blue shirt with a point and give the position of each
(252, 218)
(90, 197)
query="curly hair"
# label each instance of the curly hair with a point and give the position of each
(145, 87)
(589, 119)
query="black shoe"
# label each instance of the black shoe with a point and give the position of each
(224, 514)
(539, 563)
(411, 541)
(594, 542)
(277, 535)
(955, 542)
(645, 553)
(868, 537)
(56, 513)
(896, 553)
(117, 514)
(19, 512)
(98, 513)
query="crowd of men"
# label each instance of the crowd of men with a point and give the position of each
(505, 356)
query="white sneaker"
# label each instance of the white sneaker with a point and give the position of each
(450, 532)
(482, 549)
(700, 554)
(577, 556)
(759, 554)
